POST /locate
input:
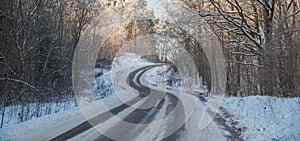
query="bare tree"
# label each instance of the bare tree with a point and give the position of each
(255, 35)
(37, 42)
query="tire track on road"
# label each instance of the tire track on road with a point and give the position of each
(107, 115)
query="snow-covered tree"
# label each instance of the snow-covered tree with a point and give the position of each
(257, 36)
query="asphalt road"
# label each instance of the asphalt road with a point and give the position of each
(152, 99)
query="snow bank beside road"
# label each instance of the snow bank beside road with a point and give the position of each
(277, 118)
(47, 127)
(167, 77)
(104, 85)
(32, 127)
(265, 118)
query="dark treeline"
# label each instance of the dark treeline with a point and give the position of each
(37, 42)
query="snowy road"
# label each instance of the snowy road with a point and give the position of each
(149, 104)
(153, 104)
(137, 116)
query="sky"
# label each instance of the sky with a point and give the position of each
(158, 8)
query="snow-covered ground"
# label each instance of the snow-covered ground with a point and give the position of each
(46, 127)
(31, 111)
(104, 84)
(276, 118)
(163, 74)
(258, 117)
(36, 126)
(167, 77)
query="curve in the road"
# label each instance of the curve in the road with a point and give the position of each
(143, 92)
(145, 116)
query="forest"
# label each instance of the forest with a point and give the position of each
(38, 38)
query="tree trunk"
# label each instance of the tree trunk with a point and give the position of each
(3, 114)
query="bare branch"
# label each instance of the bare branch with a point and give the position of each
(244, 63)
(21, 82)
